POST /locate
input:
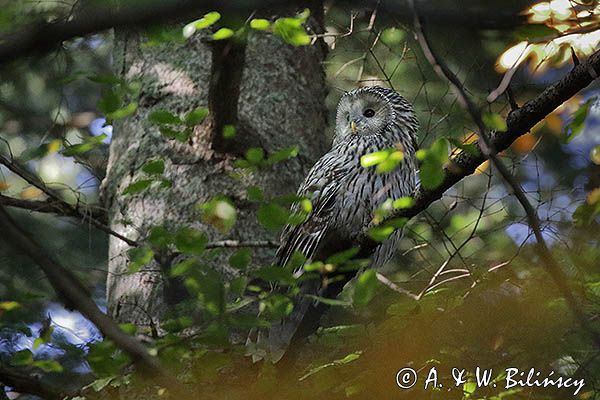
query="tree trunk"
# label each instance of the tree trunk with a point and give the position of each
(272, 92)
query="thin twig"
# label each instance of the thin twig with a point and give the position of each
(70, 209)
(489, 151)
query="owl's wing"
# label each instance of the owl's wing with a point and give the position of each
(320, 186)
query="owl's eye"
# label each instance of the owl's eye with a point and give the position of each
(369, 113)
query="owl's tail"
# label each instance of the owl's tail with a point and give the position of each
(274, 342)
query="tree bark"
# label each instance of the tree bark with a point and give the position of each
(272, 92)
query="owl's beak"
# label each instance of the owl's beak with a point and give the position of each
(353, 126)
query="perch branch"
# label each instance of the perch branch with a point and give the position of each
(488, 150)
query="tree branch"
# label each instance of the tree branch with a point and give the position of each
(42, 37)
(75, 296)
(24, 381)
(488, 150)
(49, 206)
(82, 212)
(519, 122)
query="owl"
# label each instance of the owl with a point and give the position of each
(344, 196)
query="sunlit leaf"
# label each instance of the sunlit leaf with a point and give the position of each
(123, 112)
(392, 36)
(291, 30)
(223, 33)
(138, 257)
(574, 128)
(260, 24)
(282, 155)
(494, 121)
(365, 287)
(196, 116)
(220, 213)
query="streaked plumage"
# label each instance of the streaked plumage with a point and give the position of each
(344, 196)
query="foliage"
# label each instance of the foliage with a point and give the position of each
(477, 293)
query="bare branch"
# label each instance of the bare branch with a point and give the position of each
(239, 244)
(42, 37)
(488, 149)
(24, 381)
(74, 210)
(49, 206)
(75, 296)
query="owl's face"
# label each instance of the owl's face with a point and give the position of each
(362, 113)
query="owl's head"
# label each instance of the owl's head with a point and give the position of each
(374, 110)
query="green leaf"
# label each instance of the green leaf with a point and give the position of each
(126, 111)
(110, 101)
(260, 24)
(220, 213)
(163, 117)
(241, 258)
(276, 306)
(238, 285)
(392, 36)
(156, 167)
(274, 274)
(184, 268)
(190, 241)
(494, 121)
(342, 256)
(282, 155)
(22, 358)
(328, 301)
(532, 32)
(196, 116)
(595, 154)
(380, 233)
(365, 287)
(574, 128)
(6, 306)
(228, 131)
(223, 33)
(255, 155)
(371, 159)
(160, 237)
(403, 202)
(348, 359)
(138, 257)
(100, 384)
(48, 365)
(291, 30)
(81, 148)
(254, 193)
(138, 186)
(202, 23)
(272, 216)
(431, 173)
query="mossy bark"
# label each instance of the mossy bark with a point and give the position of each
(275, 99)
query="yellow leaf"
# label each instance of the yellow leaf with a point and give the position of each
(482, 167)
(54, 146)
(30, 193)
(524, 144)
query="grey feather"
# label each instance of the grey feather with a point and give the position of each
(345, 195)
